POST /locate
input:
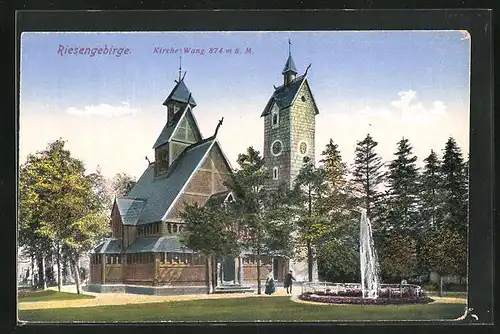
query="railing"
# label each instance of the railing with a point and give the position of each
(335, 287)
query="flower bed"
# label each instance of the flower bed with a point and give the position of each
(335, 298)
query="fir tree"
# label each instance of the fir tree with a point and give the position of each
(339, 201)
(309, 194)
(455, 188)
(262, 216)
(368, 175)
(402, 215)
(430, 195)
(333, 165)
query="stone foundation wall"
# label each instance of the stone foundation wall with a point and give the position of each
(146, 290)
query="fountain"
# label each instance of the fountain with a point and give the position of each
(370, 291)
(368, 259)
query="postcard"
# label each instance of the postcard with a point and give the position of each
(243, 176)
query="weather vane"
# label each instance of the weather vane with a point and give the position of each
(180, 67)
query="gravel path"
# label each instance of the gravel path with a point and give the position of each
(102, 299)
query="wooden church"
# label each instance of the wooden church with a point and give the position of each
(144, 248)
(144, 251)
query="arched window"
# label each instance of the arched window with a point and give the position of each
(275, 173)
(275, 116)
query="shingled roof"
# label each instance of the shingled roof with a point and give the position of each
(157, 244)
(289, 66)
(285, 95)
(109, 246)
(130, 209)
(160, 193)
(169, 128)
(180, 93)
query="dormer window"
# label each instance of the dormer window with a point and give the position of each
(275, 116)
(161, 159)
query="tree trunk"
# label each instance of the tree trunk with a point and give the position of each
(208, 273)
(309, 260)
(65, 270)
(32, 276)
(59, 268)
(76, 269)
(309, 247)
(214, 273)
(440, 285)
(43, 281)
(259, 289)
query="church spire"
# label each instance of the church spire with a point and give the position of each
(289, 71)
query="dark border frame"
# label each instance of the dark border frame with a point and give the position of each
(477, 22)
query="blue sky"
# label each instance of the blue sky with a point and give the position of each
(411, 83)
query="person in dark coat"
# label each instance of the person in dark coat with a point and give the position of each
(270, 287)
(288, 282)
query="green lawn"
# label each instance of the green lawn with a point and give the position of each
(44, 295)
(243, 309)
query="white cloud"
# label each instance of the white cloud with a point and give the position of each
(427, 127)
(104, 110)
(411, 110)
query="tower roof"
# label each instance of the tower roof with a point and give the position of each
(180, 93)
(285, 96)
(289, 65)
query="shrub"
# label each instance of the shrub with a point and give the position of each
(430, 287)
(452, 287)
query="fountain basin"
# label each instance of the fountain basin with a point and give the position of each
(351, 293)
(310, 296)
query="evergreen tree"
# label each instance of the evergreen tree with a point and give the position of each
(335, 168)
(310, 193)
(430, 195)
(368, 175)
(339, 200)
(337, 244)
(263, 216)
(455, 188)
(402, 214)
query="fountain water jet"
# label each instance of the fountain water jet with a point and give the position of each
(370, 281)
(370, 291)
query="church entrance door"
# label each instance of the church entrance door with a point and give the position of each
(278, 268)
(228, 270)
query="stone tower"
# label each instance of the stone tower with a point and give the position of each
(289, 126)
